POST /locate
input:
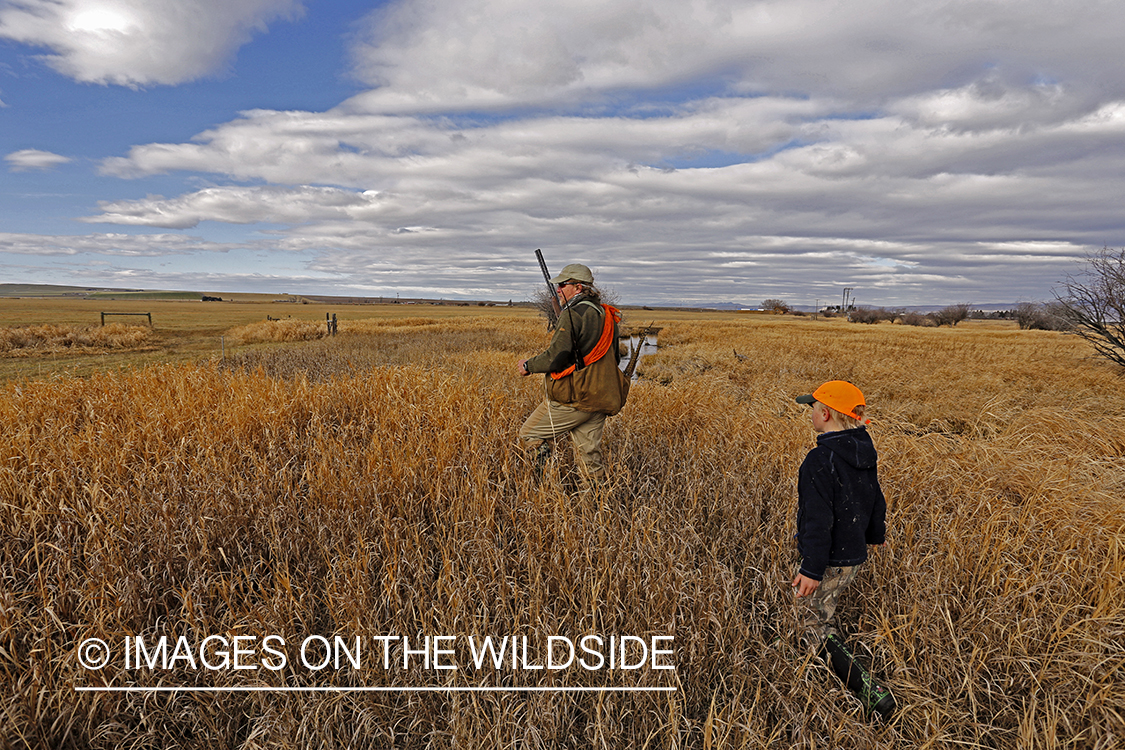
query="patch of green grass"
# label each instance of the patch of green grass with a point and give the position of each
(196, 296)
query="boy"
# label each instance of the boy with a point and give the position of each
(840, 510)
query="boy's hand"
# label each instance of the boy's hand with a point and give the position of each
(804, 586)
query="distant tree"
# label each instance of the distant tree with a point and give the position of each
(1025, 314)
(1057, 317)
(609, 296)
(868, 315)
(871, 315)
(1050, 316)
(541, 299)
(916, 319)
(1093, 302)
(776, 306)
(951, 315)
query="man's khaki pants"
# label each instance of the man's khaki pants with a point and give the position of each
(552, 419)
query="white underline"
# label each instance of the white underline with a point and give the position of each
(313, 689)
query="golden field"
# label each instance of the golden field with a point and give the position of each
(367, 485)
(182, 331)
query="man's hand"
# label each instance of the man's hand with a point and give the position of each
(522, 367)
(804, 586)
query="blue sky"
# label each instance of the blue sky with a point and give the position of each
(690, 151)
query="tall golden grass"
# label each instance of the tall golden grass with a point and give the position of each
(367, 484)
(277, 331)
(27, 340)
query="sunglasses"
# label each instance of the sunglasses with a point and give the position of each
(568, 283)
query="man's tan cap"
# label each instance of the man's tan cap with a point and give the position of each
(574, 272)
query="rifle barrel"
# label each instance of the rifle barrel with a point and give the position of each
(556, 306)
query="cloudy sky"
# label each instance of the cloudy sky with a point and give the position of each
(688, 150)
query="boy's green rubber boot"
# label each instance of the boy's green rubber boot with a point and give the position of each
(875, 698)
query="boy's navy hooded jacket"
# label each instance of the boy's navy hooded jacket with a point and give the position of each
(840, 507)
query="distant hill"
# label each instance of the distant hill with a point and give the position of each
(54, 290)
(95, 292)
(986, 307)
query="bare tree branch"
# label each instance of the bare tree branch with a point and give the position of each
(1094, 302)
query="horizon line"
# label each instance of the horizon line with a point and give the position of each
(372, 689)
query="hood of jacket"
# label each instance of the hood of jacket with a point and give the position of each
(853, 446)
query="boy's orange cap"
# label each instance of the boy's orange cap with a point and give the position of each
(839, 395)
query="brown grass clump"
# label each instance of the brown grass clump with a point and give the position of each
(364, 344)
(29, 340)
(366, 485)
(277, 331)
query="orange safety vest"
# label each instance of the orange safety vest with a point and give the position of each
(612, 316)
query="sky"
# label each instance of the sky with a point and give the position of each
(688, 151)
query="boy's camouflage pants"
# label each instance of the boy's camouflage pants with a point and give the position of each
(817, 611)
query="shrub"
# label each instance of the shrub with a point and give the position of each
(871, 315)
(951, 315)
(1042, 317)
(917, 319)
(776, 306)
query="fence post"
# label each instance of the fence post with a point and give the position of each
(147, 315)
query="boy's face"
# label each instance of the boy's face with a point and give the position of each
(823, 420)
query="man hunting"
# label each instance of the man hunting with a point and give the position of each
(582, 381)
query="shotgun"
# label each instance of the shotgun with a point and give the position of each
(556, 306)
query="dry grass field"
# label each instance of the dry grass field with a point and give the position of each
(366, 485)
(182, 330)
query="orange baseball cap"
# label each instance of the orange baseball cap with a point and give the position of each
(839, 395)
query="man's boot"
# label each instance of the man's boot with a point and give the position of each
(875, 698)
(539, 459)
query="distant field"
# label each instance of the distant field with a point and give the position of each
(186, 330)
(111, 296)
(367, 485)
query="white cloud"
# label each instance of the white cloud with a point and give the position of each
(443, 54)
(31, 158)
(110, 243)
(691, 149)
(344, 148)
(892, 204)
(236, 205)
(139, 42)
(790, 169)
